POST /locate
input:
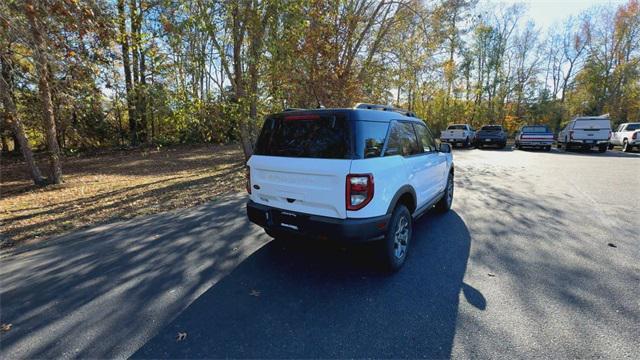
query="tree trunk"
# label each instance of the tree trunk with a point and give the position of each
(141, 92)
(11, 116)
(44, 89)
(124, 43)
(238, 81)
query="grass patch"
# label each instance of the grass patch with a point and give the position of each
(116, 185)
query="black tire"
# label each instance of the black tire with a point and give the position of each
(444, 204)
(466, 143)
(625, 146)
(610, 146)
(516, 146)
(547, 148)
(503, 145)
(602, 149)
(394, 247)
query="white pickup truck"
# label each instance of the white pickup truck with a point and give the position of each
(458, 134)
(627, 135)
(586, 132)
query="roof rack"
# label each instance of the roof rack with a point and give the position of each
(384, 108)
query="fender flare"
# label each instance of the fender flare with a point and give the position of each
(405, 189)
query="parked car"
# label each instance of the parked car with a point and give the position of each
(586, 132)
(534, 136)
(353, 175)
(627, 135)
(461, 134)
(491, 135)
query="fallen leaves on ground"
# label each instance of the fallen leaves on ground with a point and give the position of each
(6, 327)
(116, 185)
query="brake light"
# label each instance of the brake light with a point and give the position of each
(248, 175)
(571, 135)
(359, 190)
(301, 117)
(634, 136)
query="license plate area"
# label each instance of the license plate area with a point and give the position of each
(287, 219)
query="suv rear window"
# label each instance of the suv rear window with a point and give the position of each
(457, 127)
(491, 128)
(308, 136)
(370, 136)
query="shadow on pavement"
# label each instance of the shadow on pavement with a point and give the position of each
(103, 292)
(318, 301)
(594, 153)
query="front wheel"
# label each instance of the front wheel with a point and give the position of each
(444, 204)
(395, 245)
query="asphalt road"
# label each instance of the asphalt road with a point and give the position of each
(520, 267)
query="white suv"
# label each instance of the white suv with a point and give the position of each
(353, 175)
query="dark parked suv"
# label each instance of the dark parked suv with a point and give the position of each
(491, 135)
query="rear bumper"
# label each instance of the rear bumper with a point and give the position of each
(320, 227)
(535, 142)
(490, 141)
(588, 143)
(453, 140)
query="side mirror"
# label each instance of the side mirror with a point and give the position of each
(445, 148)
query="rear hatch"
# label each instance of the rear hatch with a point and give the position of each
(301, 162)
(591, 129)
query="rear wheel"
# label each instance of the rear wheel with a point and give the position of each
(395, 245)
(602, 148)
(625, 146)
(466, 143)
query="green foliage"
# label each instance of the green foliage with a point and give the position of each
(213, 70)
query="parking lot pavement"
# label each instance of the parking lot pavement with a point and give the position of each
(103, 292)
(521, 266)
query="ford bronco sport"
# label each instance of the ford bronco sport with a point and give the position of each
(354, 175)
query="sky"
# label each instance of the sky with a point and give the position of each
(546, 13)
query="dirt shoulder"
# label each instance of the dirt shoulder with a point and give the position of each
(113, 186)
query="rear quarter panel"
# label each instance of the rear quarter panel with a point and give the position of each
(389, 174)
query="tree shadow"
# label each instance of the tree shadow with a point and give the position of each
(594, 153)
(311, 300)
(100, 292)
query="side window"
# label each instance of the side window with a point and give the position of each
(426, 140)
(402, 140)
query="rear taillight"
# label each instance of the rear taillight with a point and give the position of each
(634, 136)
(571, 135)
(248, 174)
(359, 190)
